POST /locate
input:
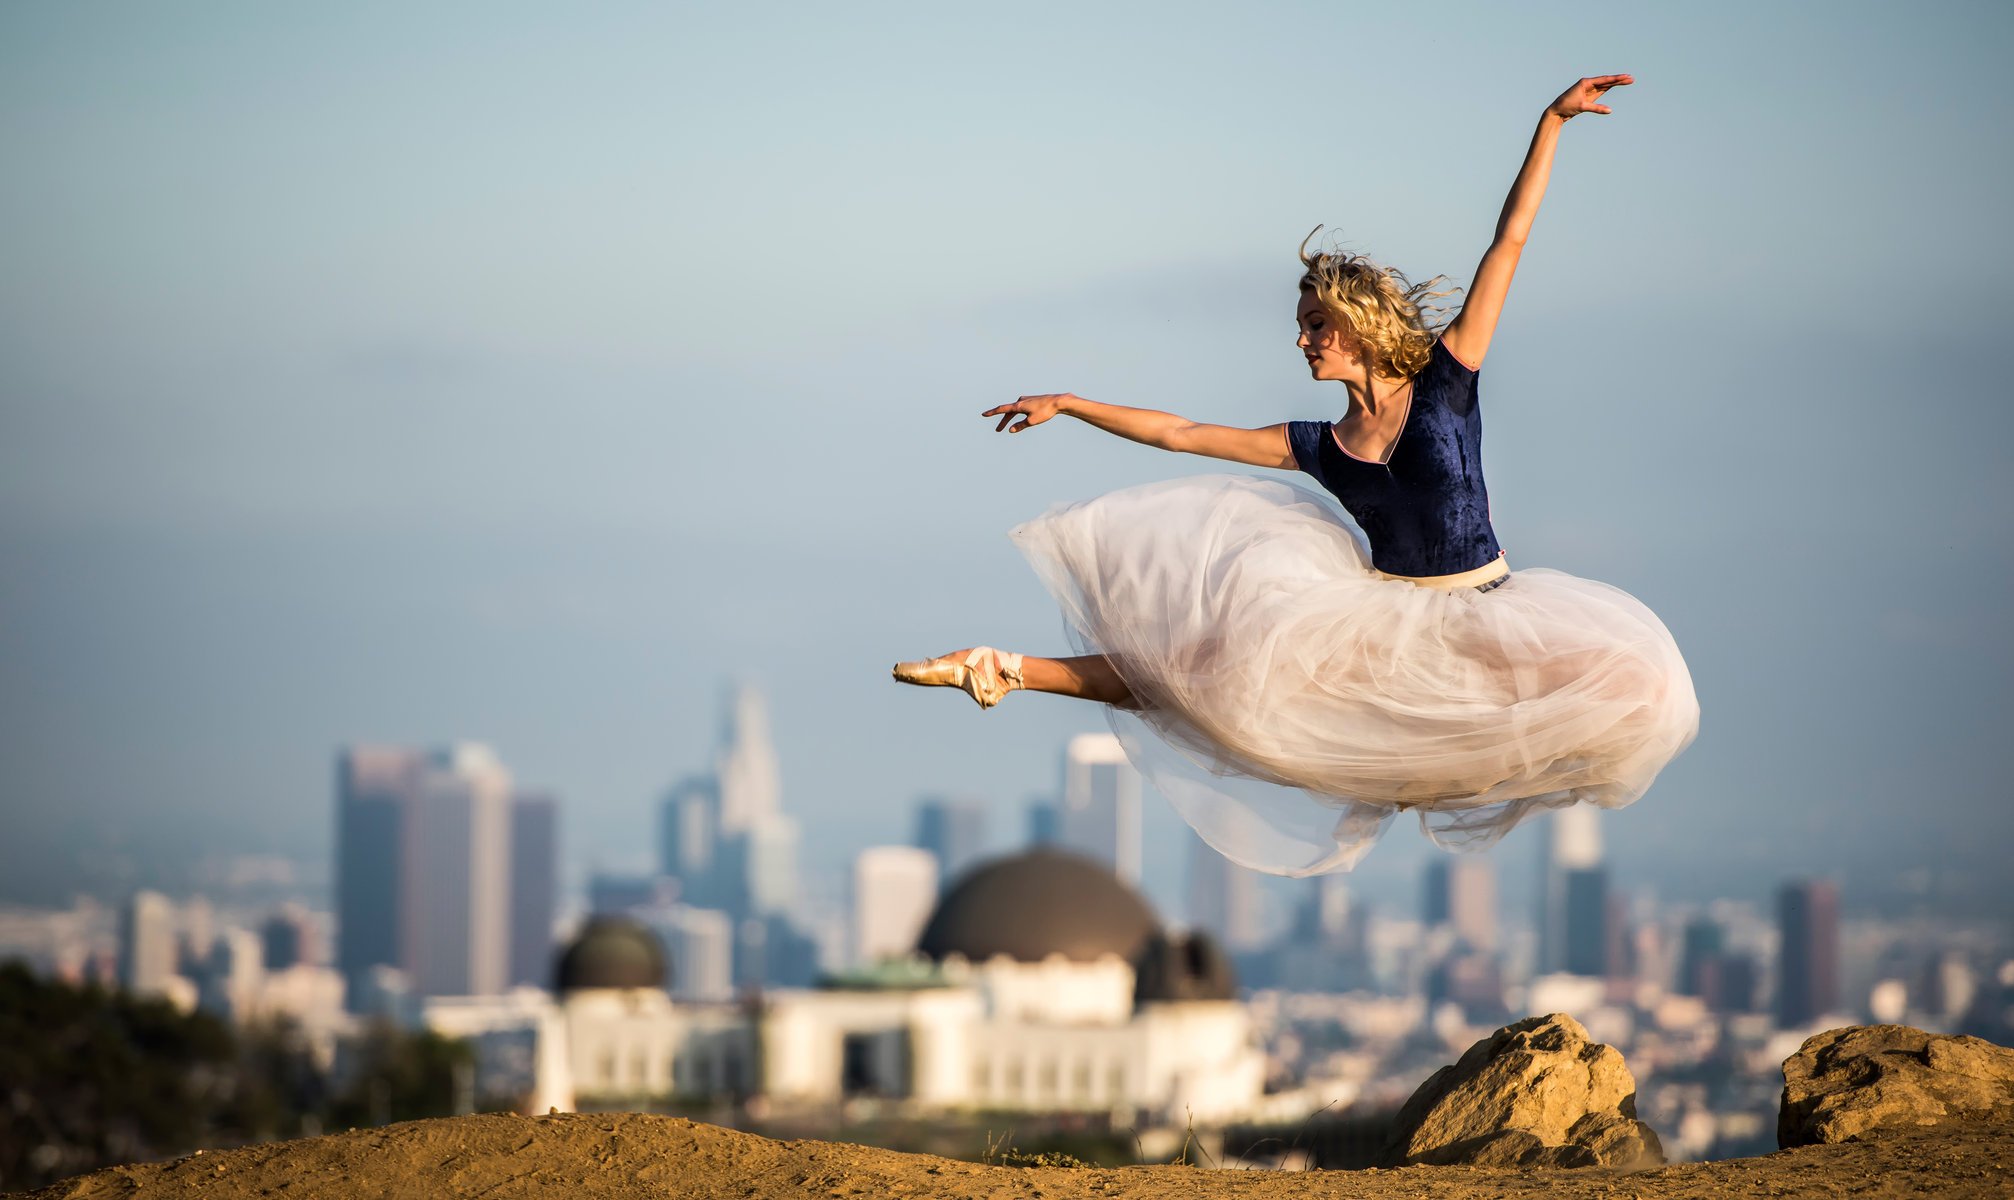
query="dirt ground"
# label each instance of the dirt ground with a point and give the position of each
(619, 1156)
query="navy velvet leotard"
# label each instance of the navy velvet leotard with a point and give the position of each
(1425, 510)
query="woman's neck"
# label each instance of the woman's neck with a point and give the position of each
(1376, 395)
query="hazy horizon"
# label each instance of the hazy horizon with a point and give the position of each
(487, 372)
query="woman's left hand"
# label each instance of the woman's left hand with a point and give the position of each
(1585, 96)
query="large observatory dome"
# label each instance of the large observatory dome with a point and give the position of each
(613, 952)
(1030, 905)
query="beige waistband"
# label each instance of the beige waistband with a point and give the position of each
(1496, 568)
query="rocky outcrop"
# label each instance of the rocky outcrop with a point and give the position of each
(1537, 1093)
(1843, 1083)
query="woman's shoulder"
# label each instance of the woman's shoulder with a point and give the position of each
(1447, 380)
(1305, 439)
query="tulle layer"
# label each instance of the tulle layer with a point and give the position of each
(1294, 700)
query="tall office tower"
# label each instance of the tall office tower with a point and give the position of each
(290, 940)
(147, 949)
(1700, 949)
(235, 967)
(1807, 963)
(1572, 842)
(689, 839)
(745, 767)
(534, 887)
(375, 787)
(894, 891)
(773, 951)
(459, 875)
(1101, 803)
(761, 867)
(1589, 933)
(1045, 822)
(1223, 898)
(197, 923)
(1461, 893)
(699, 943)
(955, 831)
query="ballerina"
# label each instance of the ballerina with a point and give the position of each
(1289, 681)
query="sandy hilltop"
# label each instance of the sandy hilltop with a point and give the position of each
(625, 1156)
(1535, 1109)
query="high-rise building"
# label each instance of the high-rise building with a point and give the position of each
(894, 892)
(289, 939)
(1045, 822)
(375, 788)
(534, 887)
(1807, 971)
(689, 839)
(460, 864)
(1224, 898)
(749, 784)
(423, 868)
(1461, 893)
(700, 946)
(955, 831)
(147, 944)
(1101, 803)
(724, 836)
(1589, 925)
(1572, 842)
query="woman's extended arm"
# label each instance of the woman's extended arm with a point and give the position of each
(1263, 447)
(1468, 335)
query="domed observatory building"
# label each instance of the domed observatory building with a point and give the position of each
(1042, 983)
(626, 1039)
(610, 1034)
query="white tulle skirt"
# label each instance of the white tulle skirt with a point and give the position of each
(1294, 699)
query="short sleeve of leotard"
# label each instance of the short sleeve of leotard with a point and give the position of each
(1304, 438)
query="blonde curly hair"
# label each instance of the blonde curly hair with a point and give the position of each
(1390, 316)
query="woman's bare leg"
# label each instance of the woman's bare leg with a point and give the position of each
(1087, 677)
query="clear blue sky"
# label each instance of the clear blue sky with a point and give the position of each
(523, 374)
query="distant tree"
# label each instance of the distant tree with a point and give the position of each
(94, 1077)
(397, 1075)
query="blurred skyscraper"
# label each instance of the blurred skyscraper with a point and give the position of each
(1045, 822)
(894, 891)
(700, 942)
(1572, 916)
(459, 882)
(1101, 803)
(1461, 893)
(955, 831)
(1807, 964)
(1224, 898)
(534, 888)
(724, 835)
(425, 870)
(375, 786)
(689, 839)
(290, 939)
(147, 944)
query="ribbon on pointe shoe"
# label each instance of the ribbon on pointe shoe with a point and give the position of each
(990, 674)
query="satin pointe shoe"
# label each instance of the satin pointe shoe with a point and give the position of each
(985, 674)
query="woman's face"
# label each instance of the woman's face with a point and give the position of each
(1330, 350)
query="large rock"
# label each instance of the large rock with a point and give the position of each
(1844, 1082)
(1536, 1093)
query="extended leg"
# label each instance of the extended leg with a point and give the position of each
(1087, 677)
(988, 676)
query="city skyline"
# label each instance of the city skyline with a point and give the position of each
(540, 351)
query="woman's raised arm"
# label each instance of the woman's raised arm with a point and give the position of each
(1468, 335)
(1262, 447)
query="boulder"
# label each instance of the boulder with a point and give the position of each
(1843, 1083)
(1537, 1093)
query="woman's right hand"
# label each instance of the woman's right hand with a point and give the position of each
(1585, 96)
(1033, 410)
